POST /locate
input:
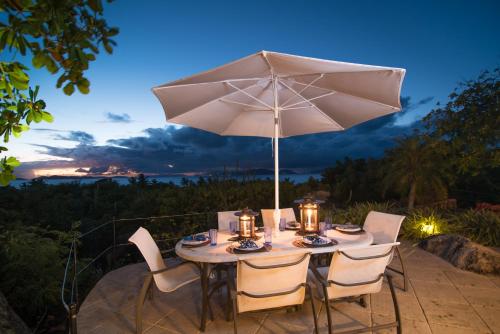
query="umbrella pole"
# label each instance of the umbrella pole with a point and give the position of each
(276, 214)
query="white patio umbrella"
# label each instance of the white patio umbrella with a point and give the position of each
(276, 95)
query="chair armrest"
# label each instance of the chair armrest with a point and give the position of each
(318, 275)
(170, 268)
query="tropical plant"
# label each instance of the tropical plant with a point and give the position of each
(356, 213)
(62, 36)
(482, 226)
(415, 170)
(422, 223)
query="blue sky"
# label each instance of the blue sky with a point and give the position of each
(438, 42)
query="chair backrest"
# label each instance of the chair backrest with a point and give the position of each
(383, 226)
(358, 271)
(224, 217)
(148, 248)
(281, 278)
(268, 215)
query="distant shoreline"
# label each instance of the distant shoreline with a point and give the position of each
(175, 179)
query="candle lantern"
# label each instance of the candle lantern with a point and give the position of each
(247, 223)
(309, 218)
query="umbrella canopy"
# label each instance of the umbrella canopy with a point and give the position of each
(270, 94)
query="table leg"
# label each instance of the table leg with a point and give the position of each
(204, 298)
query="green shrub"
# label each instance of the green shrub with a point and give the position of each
(481, 226)
(422, 223)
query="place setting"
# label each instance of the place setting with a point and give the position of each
(314, 241)
(349, 229)
(195, 240)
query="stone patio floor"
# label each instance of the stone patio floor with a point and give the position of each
(440, 299)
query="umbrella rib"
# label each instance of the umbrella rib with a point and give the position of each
(243, 104)
(312, 105)
(211, 101)
(308, 100)
(249, 95)
(355, 96)
(303, 89)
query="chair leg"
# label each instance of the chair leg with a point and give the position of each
(229, 301)
(309, 291)
(235, 315)
(396, 305)
(327, 307)
(140, 303)
(403, 270)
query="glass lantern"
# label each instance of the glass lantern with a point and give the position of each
(309, 217)
(247, 223)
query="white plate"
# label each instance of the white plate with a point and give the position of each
(236, 245)
(193, 242)
(309, 242)
(348, 228)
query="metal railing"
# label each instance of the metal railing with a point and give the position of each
(86, 265)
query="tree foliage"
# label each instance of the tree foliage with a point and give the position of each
(416, 169)
(470, 124)
(61, 36)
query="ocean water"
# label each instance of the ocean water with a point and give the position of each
(295, 178)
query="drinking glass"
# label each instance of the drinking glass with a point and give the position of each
(328, 222)
(212, 233)
(322, 228)
(268, 235)
(232, 226)
(282, 224)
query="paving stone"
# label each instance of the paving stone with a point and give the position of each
(490, 315)
(444, 293)
(458, 315)
(447, 329)
(428, 275)
(483, 297)
(468, 279)
(408, 305)
(409, 326)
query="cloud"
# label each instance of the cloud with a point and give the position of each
(118, 118)
(82, 137)
(177, 150)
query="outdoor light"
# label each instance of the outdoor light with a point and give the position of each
(428, 229)
(247, 223)
(309, 219)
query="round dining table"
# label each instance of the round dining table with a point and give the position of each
(282, 243)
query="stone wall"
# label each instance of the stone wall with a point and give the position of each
(463, 253)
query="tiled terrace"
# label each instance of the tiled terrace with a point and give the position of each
(441, 299)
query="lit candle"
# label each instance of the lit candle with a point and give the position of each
(309, 224)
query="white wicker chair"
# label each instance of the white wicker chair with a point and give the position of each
(385, 229)
(268, 216)
(353, 273)
(166, 279)
(264, 283)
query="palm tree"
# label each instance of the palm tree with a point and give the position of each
(415, 166)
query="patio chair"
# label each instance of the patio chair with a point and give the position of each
(166, 279)
(353, 273)
(385, 229)
(271, 283)
(268, 216)
(224, 217)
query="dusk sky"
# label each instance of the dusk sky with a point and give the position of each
(121, 123)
